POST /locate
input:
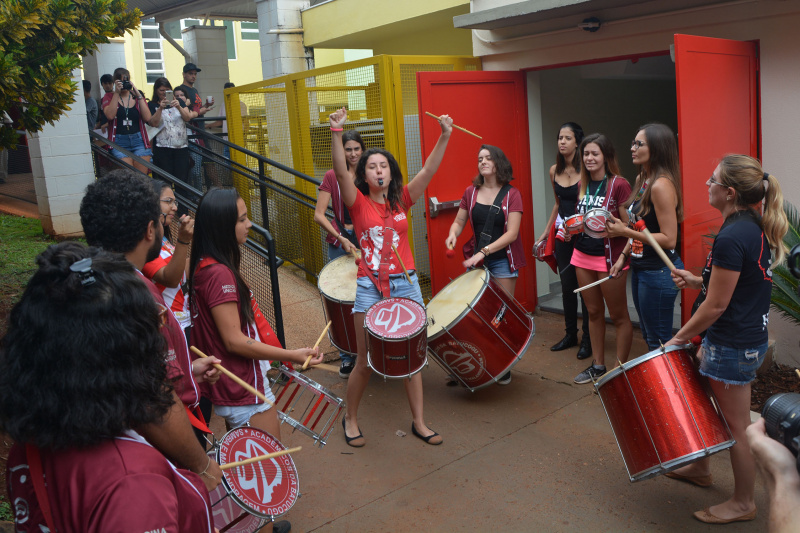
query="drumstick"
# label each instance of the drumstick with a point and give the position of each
(396, 253)
(652, 242)
(234, 464)
(245, 385)
(324, 331)
(589, 286)
(456, 127)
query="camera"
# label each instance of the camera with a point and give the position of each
(782, 417)
(126, 84)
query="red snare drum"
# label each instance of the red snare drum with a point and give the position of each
(306, 405)
(574, 224)
(396, 337)
(594, 223)
(337, 288)
(538, 250)
(476, 330)
(252, 495)
(661, 414)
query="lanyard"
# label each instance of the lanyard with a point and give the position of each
(593, 197)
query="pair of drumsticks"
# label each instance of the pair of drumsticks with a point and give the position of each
(651, 241)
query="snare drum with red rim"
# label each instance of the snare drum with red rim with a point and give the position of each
(661, 414)
(251, 495)
(574, 224)
(337, 288)
(594, 223)
(396, 337)
(476, 330)
(306, 405)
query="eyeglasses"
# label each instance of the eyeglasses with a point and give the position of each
(635, 145)
(712, 181)
(164, 222)
(170, 201)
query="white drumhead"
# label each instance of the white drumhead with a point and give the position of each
(453, 300)
(338, 279)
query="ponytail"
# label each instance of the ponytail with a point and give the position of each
(774, 220)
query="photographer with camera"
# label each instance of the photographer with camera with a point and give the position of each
(127, 119)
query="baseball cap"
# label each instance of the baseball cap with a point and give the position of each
(190, 66)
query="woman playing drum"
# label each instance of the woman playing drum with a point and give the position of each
(602, 187)
(377, 202)
(658, 202)
(736, 284)
(500, 249)
(565, 176)
(338, 235)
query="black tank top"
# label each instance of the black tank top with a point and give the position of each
(650, 259)
(567, 198)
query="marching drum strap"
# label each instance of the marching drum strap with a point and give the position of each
(486, 233)
(37, 473)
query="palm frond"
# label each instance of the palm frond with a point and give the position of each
(785, 298)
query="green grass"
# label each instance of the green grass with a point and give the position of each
(5, 511)
(21, 240)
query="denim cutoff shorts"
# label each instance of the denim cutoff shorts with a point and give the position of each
(399, 287)
(239, 415)
(500, 268)
(132, 143)
(732, 366)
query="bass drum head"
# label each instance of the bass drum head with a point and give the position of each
(454, 300)
(337, 280)
(267, 489)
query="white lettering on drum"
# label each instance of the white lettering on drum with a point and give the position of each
(257, 480)
(395, 317)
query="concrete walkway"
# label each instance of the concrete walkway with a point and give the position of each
(536, 455)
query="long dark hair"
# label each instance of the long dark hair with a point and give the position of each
(561, 163)
(663, 161)
(353, 135)
(83, 359)
(609, 158)
(502, 166)
(395, 193)
(215, 237)
(160, 82)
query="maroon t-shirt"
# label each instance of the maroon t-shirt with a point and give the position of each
(179, 364)
(120, 485)
(215, 284)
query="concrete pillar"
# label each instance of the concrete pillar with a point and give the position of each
(209, 51)
(61, 162)
(104, 60)
(282, 53)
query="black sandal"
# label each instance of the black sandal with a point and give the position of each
(349, 440)
(426, 439)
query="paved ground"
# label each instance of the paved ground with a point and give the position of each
(537, 455)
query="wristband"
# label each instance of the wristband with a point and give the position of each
(183, 242)
(337, 129)
(205, 473)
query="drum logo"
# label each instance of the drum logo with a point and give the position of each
(396, 317)
(463, 358)
(596, 223)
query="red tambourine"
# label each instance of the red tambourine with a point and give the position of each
(574, 224)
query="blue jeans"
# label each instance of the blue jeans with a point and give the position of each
(335, 252)
(654, 295)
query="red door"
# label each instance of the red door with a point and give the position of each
(717, 86)
(493, 105)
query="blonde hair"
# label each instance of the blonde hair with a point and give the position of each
(752, 185)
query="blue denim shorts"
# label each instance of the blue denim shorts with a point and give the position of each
(239, 415)
(367, 294)
(500, 268)
(132, 143)
(732, 366)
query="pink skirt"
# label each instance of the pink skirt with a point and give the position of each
(590, 262)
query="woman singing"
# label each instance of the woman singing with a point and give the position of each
(377, 199)
(736, 284)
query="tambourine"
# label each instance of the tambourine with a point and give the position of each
(574, 224)
(594, 223)
(538, 250)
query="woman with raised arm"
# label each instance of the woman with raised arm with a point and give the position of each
(378, 194)
(736, 285)
(602, 188)
(658, 202)
(565, 176)
(340, 230)
(500, 250)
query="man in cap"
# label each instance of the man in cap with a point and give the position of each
(201, 107)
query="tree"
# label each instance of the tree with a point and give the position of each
(41, 43)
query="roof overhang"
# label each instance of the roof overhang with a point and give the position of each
(169, 10)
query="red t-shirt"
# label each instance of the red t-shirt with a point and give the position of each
(368, 222)
(215, 284)
(173, 296)
(120, 485)
(179, 364)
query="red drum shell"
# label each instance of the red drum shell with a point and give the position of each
(337, 289)
(265, 490)
(594, 223)
(661, 414)
(574, 224)
(396, 337)
(487, 338)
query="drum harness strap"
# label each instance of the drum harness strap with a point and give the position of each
(37, 476)
(382, 283)
(494, 210)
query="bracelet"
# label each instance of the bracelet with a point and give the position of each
(337, 129)
(627, 256)
(205, 473)
(485, 251)
(183, 242)
(338, 236)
